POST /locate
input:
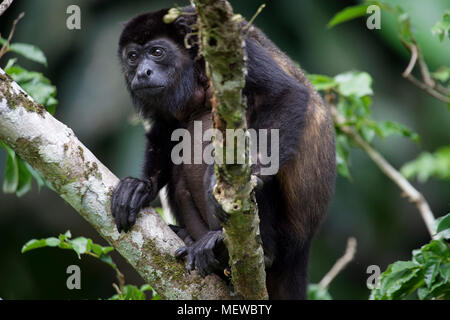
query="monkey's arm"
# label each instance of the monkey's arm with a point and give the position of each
(277, 102)
(132, 194)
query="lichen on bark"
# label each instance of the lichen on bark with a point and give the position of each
(223, 46)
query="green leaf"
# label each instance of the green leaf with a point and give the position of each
(358, 84)
(317, 292)
(80, 245)
(405, 26)
(442, 28)
(321, 82)
(428, 165)
(11, 179)
(52, 242)
(347, 14)
(443, 223)
(430, 273)
(129, 292)
(36, 85)
(388, 128)
(29, 51)
(34, 244)
(444, 271)
(25, 179)
(442, 74)
(342, 155)
(10, 63)
(108, 260)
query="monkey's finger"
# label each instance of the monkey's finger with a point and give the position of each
(135, 210)
(190, 265)
(115, 199)
(125, 198)
(138, 199)
(181, 252)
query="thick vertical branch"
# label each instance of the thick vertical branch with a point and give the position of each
(79, 178)
(223, 46)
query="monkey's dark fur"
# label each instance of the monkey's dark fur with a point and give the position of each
(168, 84)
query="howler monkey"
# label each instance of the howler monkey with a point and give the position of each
(168, 84)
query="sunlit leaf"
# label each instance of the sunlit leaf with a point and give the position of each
(347, 14)
(428, 165)
(442, 28)
(358, 84)
(443, 223)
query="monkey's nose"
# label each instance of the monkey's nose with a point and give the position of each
(145, 73)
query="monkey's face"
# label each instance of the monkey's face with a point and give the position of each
(159, 75)
(150, 68)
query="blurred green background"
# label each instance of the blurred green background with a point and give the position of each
(83, 64)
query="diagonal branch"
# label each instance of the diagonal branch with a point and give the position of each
(5, 5)
(409, 191)
(340, 264)
(79, 178)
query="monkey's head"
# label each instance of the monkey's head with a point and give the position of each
(161, 74)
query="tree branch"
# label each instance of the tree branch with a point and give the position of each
(222, 45)
(409, 191)
(79, 178)
(340, 264)
(428, 84)
(5, 5)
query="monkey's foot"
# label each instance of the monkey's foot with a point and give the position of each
(200, 255)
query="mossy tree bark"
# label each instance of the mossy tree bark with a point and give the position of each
(222, 44)
(79, 178)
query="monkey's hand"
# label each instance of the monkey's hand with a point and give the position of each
(129, 197)
(201, 254)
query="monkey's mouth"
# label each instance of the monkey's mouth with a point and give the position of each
(148, 89)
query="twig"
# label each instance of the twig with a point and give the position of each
(5, 47)
(412, 62)
(340, 264)
(409, 191)
(5, 5)
(116, 288)
(428, 89)
(427, 84)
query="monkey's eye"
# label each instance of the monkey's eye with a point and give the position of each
(132, 56)
(157, 51)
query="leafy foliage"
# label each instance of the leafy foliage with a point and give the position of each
(80, 245)
(26, 50)
(428, 165)
(348, 14)
(427, 274)
(317, 292)
(85, 246)
(353, 91)
(442, 28)
(131, 292)
(19, 174)
(35, 84)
